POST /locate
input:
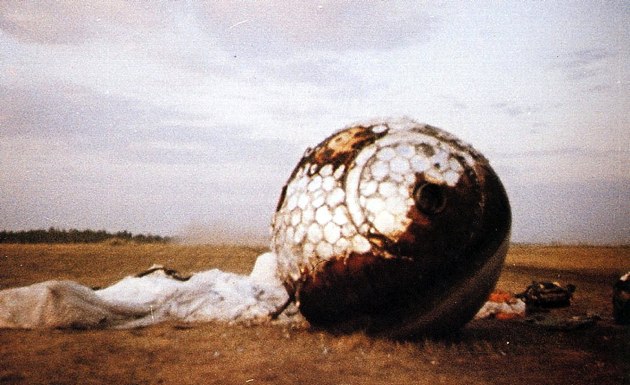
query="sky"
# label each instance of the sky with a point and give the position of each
(185, 118)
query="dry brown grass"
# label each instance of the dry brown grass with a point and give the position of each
(484, 352)
(104, 263)
(583, 258)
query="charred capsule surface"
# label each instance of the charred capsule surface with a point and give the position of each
(391, 225)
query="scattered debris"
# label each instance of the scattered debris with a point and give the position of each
(621, 300)
(547, 295)
(543, 295)
(502, 305)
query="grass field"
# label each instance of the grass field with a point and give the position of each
(484, 352)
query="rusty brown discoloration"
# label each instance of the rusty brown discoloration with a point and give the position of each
(433, 270)
(342, 147)
(375, 289)
(450, 229)
(354, 286)
(283, 194)
(338, 149)
(448, 138)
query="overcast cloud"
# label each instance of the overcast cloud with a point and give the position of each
(187, 117)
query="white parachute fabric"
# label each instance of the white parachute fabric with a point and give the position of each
(211, 295)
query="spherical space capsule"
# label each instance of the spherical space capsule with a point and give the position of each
(392, 226)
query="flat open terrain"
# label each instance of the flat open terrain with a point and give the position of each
(484, 352)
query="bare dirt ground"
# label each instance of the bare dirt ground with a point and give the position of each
(484, 352)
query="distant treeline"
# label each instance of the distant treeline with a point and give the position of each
(54, 235)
